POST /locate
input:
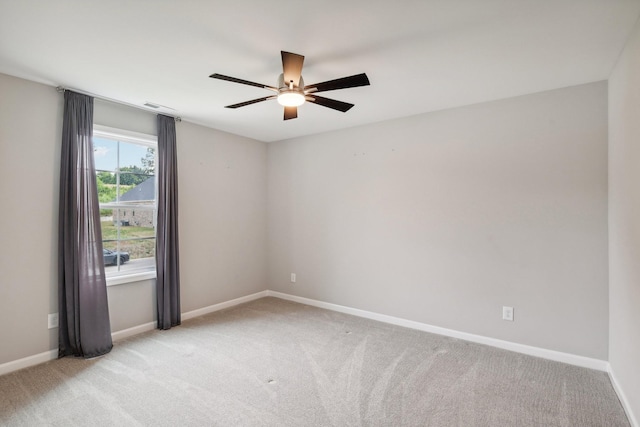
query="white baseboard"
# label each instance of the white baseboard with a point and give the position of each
(36, 359)
(623, 398)
(572, 359)
(221, 306)
(126, 333)
(25, 362)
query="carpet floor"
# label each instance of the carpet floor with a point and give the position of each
(272, 362)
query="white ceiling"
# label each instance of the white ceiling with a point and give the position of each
(420, 55)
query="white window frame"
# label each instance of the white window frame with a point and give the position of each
(146, 140)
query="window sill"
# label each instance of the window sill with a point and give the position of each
(129, 278)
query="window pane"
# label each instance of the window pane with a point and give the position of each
(132, 256)
(105, 153)
(130, 223)
(128, 237)
(135, 157)
(143, 192)
(139, 249)
(132, 176)
(107, 189)
(109, 231)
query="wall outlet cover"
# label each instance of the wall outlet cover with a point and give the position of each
(507, 313)
(53, 320)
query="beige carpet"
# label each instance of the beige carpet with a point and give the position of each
(276, 363)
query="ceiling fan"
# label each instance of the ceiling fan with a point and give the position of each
(291, 91)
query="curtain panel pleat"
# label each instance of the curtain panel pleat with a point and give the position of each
(84, 328)
(167, 252)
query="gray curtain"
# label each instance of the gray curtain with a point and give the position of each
(167, 253)
(84, 328)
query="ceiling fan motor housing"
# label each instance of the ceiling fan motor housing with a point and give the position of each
(290, 85)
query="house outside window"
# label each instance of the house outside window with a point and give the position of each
(126, 183)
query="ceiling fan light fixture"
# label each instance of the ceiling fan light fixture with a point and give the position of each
(291, 92)
(290, 98)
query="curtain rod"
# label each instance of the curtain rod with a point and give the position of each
(104, 98)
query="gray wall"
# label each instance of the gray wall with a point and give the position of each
(440, 218)
(222, 214)
(624, 221)
(223, 203)
(445, 217)
(30, 133)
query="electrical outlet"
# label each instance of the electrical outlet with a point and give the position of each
(293, 277)
(507, 313)
(53, 321)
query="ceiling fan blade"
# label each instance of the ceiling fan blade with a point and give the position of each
(343, 83)
(290, 113)
(253, 101)
(330, 103)
(244, 82)
(292, 67)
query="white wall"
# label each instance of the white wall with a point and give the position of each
(624, 222)
(445, 217)
(222, 201)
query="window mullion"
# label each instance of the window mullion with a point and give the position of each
(119, 220)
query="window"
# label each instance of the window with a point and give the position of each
(125, 177)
